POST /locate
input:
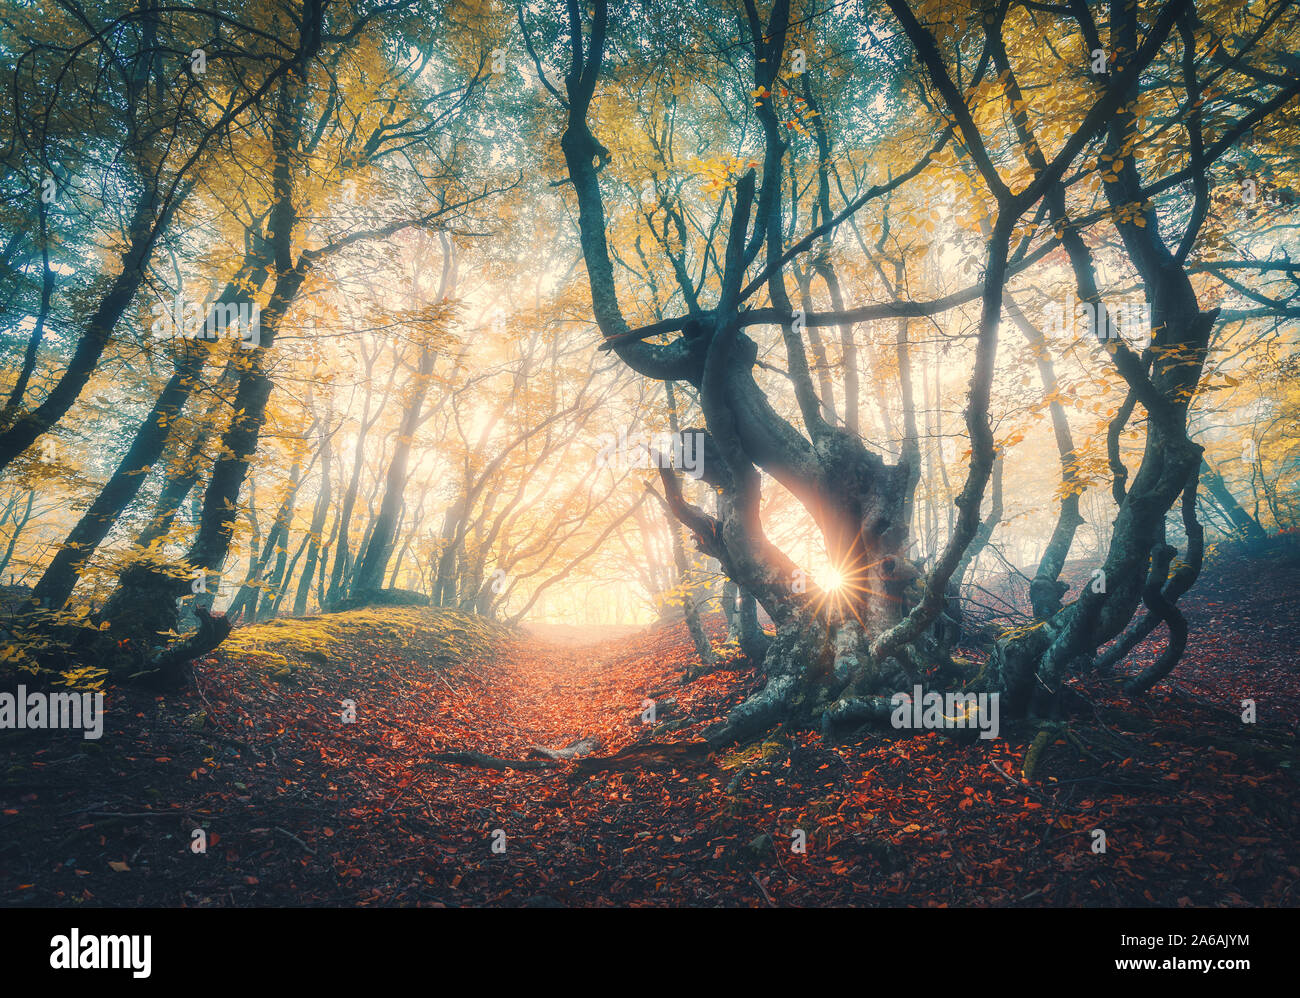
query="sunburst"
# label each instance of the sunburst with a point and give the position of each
(842, 589)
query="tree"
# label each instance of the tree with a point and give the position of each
(835, 653)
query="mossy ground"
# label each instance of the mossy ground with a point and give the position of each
(286, 646)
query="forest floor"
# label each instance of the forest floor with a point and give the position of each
(300, 808)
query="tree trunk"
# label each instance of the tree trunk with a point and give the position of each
(317, 527)
(703, 647)
(369, 575)
(143, 234)
(56, 585)
(1046, 589)
(1243, 523)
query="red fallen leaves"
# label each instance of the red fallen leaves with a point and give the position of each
(354, 814)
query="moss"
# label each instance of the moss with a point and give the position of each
(755, 754)
(1045, 735)
(286, 645)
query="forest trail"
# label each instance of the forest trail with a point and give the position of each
(298, 806)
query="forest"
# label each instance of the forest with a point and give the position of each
(730, 453)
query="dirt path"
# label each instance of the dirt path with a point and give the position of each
(300, 807)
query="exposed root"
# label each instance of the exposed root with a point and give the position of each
(633, 757)
(169, 664)
(737, 663)
(758, 713)
(857, 711)
(574, 750)
(669, 756)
